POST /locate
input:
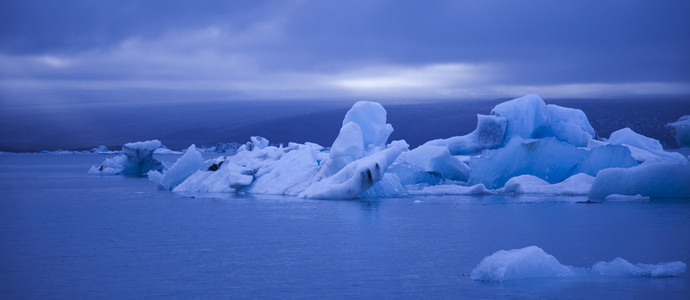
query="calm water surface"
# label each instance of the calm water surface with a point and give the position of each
(64, 234)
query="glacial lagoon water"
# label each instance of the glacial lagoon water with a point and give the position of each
(64, 234)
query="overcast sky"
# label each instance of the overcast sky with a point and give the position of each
(377, 50)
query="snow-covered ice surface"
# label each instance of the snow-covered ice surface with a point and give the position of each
(69, 235)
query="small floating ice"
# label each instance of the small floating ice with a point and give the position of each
(532, 262)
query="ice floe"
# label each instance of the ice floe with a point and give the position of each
(532, 263)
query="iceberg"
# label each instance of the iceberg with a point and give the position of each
(681, 130)
(532, 262)
(524, 147)
(354, 167)
(656, 180)
(136, 161)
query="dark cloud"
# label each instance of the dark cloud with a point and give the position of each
(40, 26)
(356, 48)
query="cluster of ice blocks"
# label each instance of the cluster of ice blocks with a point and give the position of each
(523, 146)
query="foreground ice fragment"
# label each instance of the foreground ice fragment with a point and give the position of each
(532, 262)
(621, 267)
(681, 130)
(529, 262)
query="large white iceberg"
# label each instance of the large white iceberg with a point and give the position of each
(356, 162)
(524, 147)
(136, 160)
(532, 262)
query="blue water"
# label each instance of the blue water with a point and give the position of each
(64, 234)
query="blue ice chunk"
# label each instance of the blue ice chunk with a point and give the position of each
(140, 158)
(437, 159)
(656, 180)
(527, 117)
(546, 158)
(569, 125)
(608, 156)
(627, 136)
